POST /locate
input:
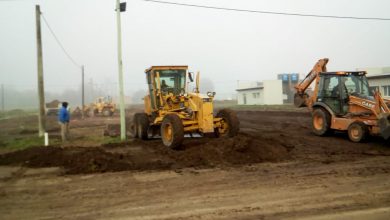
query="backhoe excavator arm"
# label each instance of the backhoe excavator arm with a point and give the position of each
(383, 113)
(301, 98)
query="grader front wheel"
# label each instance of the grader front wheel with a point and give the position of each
(106, 112)
(230, 124)
(172, 131)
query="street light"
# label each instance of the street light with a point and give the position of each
(121, 7)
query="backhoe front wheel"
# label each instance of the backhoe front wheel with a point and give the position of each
(172, 131)
(320, 122)
(230, 125)
(357, 132)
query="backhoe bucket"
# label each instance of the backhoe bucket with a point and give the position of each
(300, 100)
(384, 125)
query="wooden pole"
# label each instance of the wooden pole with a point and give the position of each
(41, 92)
(2, 98)
(82, 91)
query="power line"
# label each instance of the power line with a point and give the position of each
(59, 43)
(269, 12)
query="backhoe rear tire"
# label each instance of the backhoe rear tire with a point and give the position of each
(172, 131)
(229, 121)
(357, 132)
(321, 122)
(143, 126)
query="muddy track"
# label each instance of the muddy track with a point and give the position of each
(275, 169)
(264, 137)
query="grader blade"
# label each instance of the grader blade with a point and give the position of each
(384, 125)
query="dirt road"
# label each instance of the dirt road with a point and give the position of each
(275, 169)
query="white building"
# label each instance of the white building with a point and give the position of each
(268, 92)
(379, 78)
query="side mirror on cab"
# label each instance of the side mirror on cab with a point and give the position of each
(190, 76)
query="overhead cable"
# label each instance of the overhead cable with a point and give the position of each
(59, 43)
(269, 12)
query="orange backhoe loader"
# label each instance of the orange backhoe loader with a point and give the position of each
(343, 101)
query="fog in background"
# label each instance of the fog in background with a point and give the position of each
(225, 46)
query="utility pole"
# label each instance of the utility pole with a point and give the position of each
(119, 8)
(82, 91)
(2, 97)
(41, 92)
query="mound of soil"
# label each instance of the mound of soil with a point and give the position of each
(151, 155)
(219, 152)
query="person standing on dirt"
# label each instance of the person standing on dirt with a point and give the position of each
(63, 119)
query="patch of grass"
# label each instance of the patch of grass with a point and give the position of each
(20, 143)
(111, 140)
(16, 113)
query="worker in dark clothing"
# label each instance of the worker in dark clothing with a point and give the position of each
(63, 119)
(164, 86)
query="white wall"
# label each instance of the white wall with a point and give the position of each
(251, 99)
(273, 92)
(381, 82)
(270, 94)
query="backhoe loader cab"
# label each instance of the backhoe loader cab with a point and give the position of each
(336, 87)
(171, 111)
(343, 101)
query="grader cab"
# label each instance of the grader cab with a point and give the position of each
(171, 111)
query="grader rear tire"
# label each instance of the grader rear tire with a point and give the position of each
(106, 112)
(172, 131)
(230, 123)
(133, 126)
(143, 126)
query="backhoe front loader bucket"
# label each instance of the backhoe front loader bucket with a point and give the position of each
(300, 100)
(384, 125)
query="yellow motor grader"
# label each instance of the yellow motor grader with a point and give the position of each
(172, 111)
(103, 106)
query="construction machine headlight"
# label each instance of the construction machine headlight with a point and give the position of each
(210, 94)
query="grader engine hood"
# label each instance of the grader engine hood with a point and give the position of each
(203, 106)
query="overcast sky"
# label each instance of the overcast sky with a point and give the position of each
(225, 46)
